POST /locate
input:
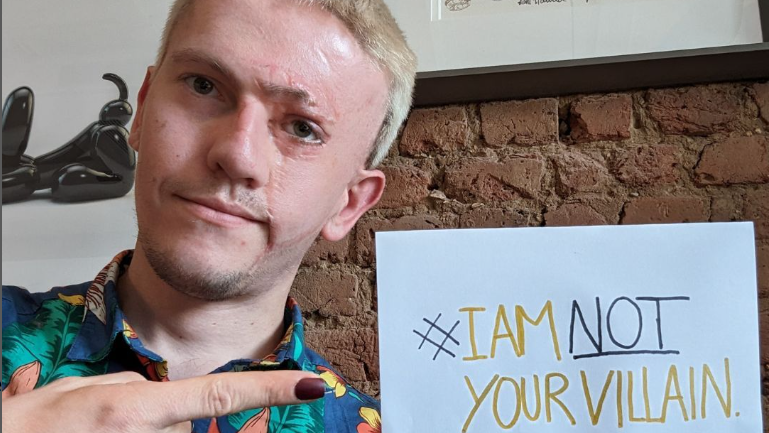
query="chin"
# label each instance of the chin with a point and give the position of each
(200, 270)
(198, 278)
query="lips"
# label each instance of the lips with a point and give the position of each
(220, 212)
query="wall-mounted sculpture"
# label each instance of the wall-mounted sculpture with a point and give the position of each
(97, 164)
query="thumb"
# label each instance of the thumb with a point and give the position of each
(226, 393)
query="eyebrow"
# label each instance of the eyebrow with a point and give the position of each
(271, 89)
(293, 93)
(189, 55)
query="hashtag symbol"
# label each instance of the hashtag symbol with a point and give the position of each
(446, 336)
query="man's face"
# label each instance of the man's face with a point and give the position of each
(252, 137)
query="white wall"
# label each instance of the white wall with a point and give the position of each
(62, 48)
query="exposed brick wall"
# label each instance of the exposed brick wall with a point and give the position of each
(654, 156)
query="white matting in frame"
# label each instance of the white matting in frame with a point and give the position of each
(461, 34)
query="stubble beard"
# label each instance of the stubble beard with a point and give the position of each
(203, 284)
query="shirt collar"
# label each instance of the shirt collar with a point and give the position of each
(103, 321)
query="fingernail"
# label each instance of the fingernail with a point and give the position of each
(310, 388)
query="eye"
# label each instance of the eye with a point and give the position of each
(304, 131)
(201, 85)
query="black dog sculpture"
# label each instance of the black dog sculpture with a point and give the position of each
(97, 164)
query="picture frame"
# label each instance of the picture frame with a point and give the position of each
(517, 49)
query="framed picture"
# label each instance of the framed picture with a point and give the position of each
(499, 49)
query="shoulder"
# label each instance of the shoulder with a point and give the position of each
(35, 327)
(347, 409)
(20, 305)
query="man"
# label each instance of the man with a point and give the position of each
(257, 129)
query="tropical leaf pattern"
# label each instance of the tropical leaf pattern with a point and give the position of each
(372, 421)
(333, 381)
(301, 418)
(47, 338)
(71, 331)
(24, 379)
(251, 421)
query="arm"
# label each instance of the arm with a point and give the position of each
(127, 403)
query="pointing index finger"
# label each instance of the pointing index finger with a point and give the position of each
(222, 394)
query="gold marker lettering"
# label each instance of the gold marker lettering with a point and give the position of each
(595, 412)
(471, 324)
(477, 400)
(520, 316)
(553, 396)
(501, 319)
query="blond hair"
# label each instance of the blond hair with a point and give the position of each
(372, 24)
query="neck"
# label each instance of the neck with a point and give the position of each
(196, 336)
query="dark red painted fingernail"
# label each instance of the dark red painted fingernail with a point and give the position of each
(310, 388)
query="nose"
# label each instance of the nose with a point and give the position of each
(241, 146)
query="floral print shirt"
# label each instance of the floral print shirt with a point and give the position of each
(80, 330)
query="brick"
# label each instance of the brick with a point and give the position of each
(647, 165)
(756, 209)
(657, 210)
(760, 94)
(608, 205)
(323, 250)
(354, 352)
(576, 172)
(472, 180)
(485, 217)
(734, 160)
(605, 117)
(530, 122)
(699, 110)
(435, 130)
(725, 209)
(574, 214)
(762, 261)
(330, 292)
(370, 388)
(365, 233)
(406, 186)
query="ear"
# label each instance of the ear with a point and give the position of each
(361, 196)
(136, 126)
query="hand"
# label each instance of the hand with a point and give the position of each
(128, 403)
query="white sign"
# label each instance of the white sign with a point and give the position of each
(589, 329)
